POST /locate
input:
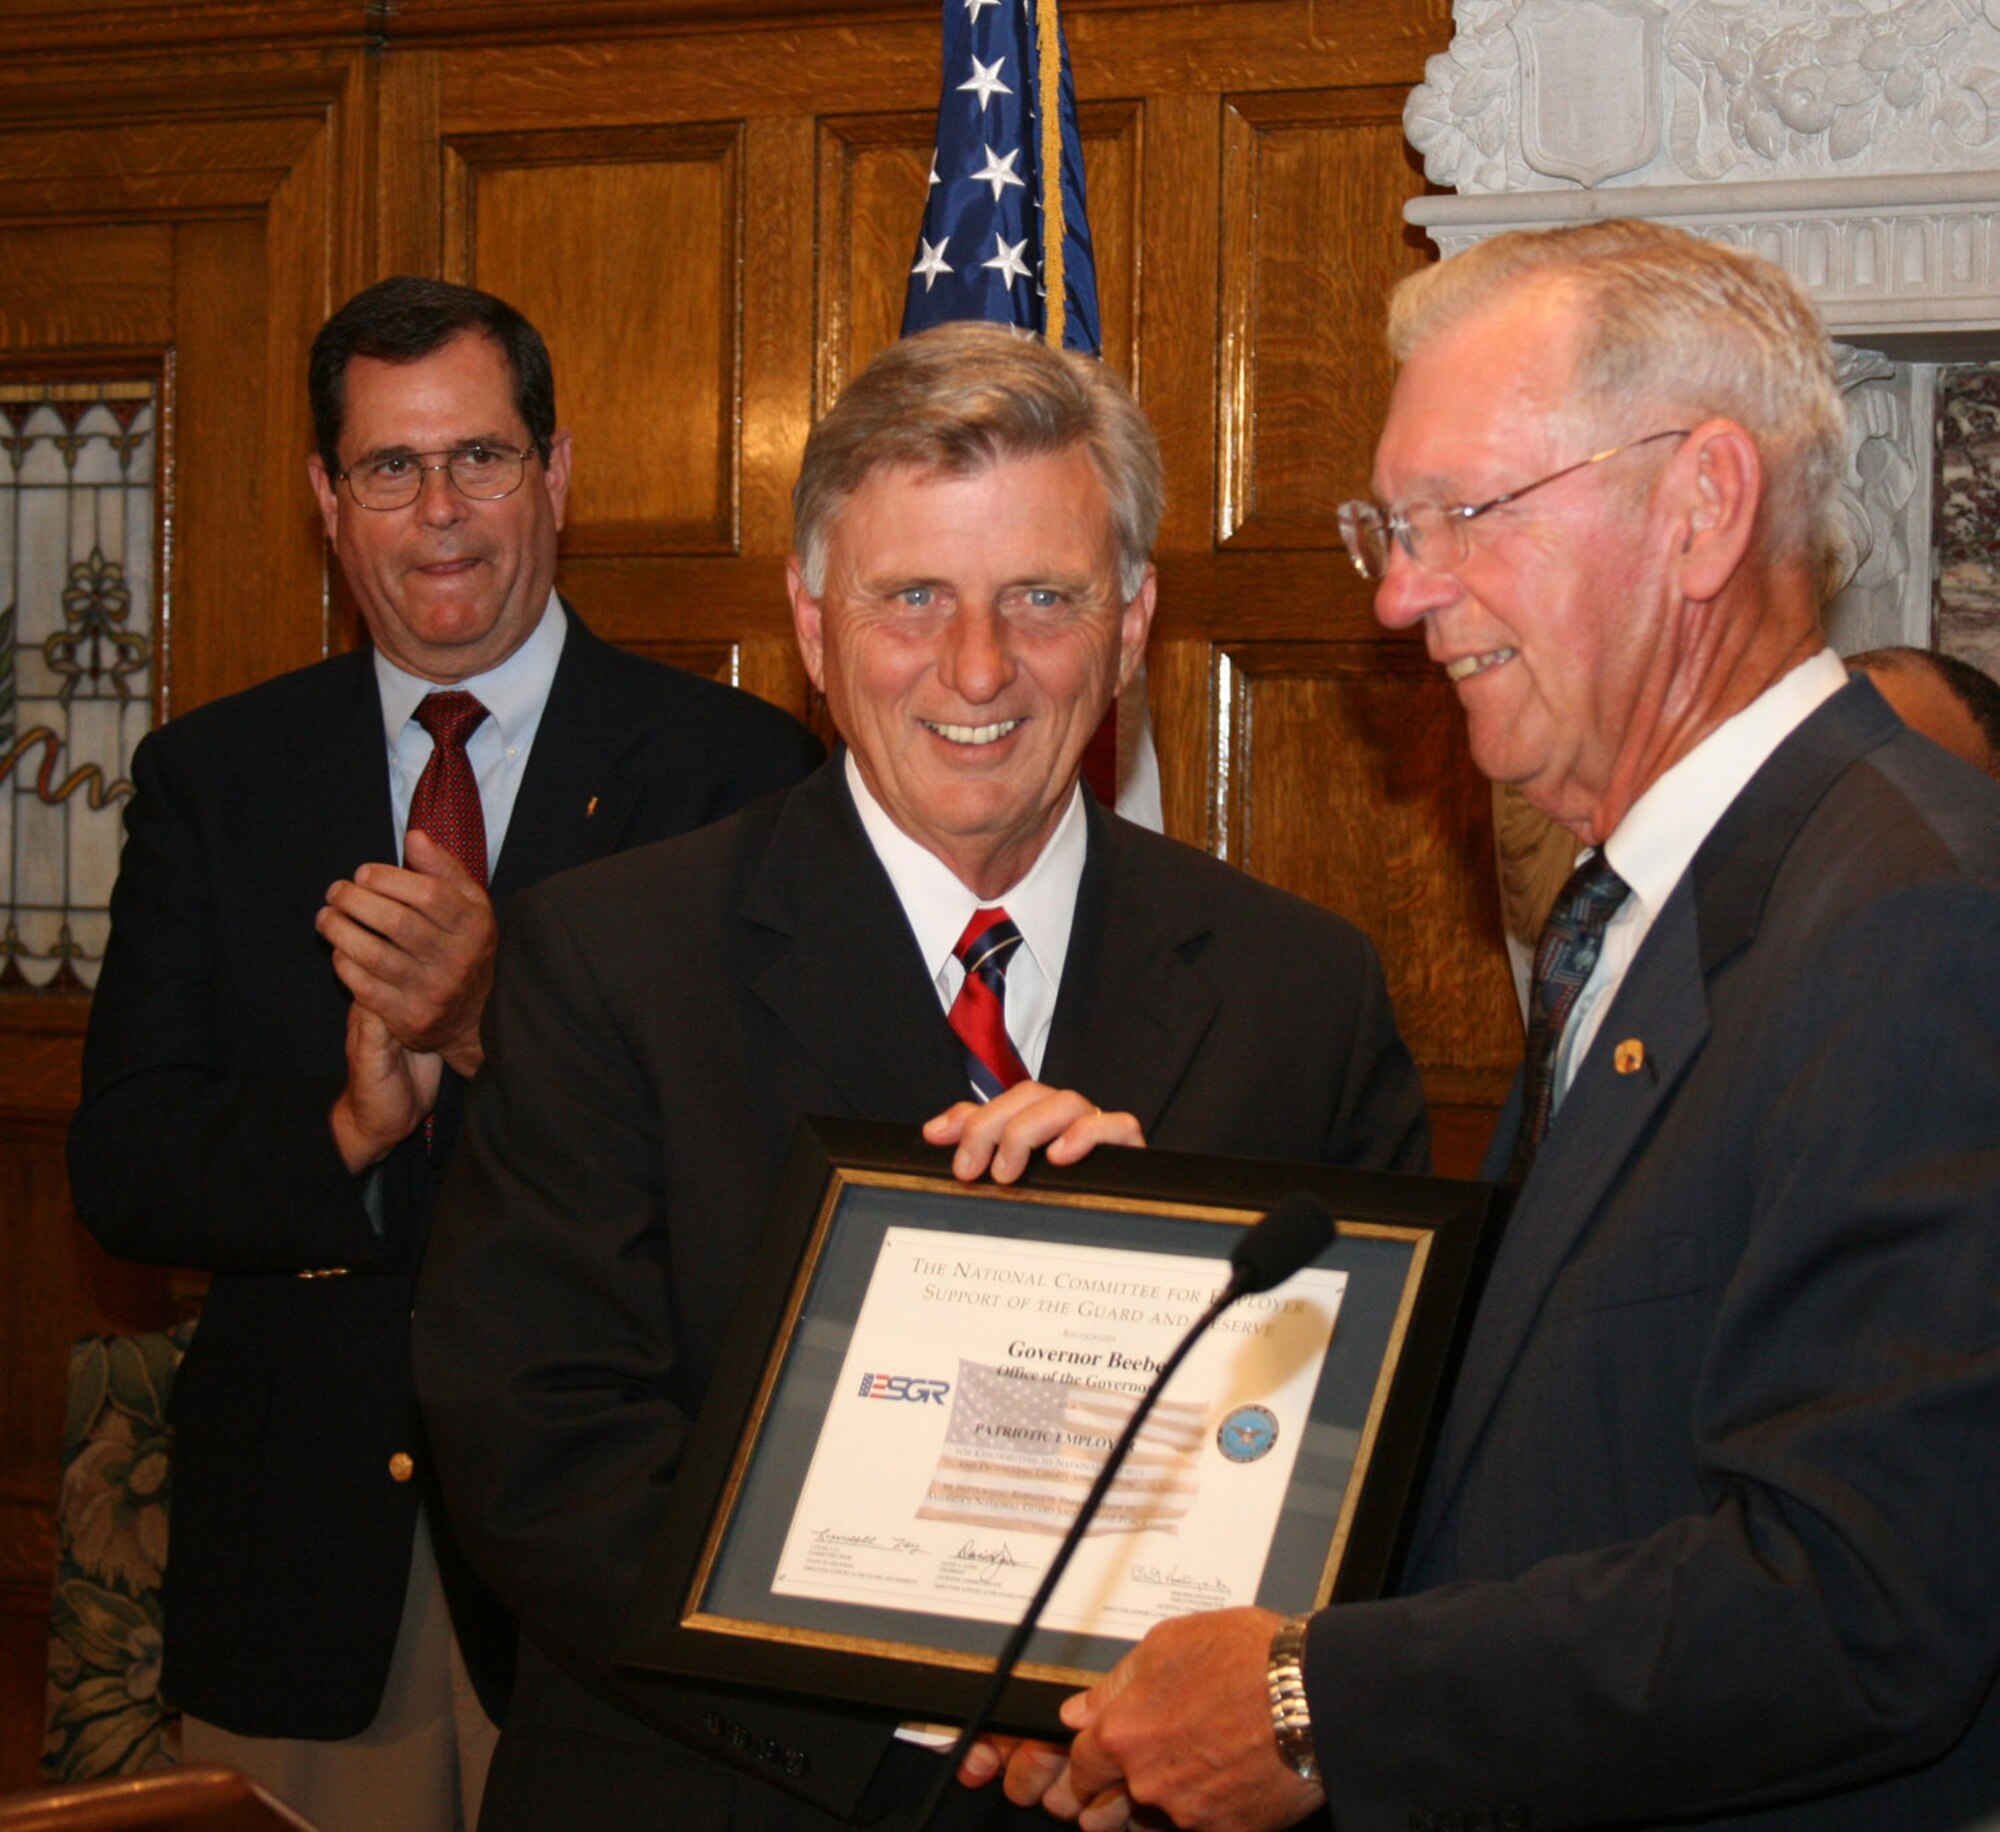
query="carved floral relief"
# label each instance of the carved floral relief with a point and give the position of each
(1538, 94)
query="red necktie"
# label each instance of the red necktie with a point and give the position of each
(979, 1013)
(446, 803)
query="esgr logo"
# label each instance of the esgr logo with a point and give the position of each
(916, 1387)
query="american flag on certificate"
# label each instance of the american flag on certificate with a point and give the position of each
(1022, 1453)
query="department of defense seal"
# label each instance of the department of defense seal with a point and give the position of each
(1247, 1434)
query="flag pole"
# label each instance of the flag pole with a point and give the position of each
(1048, 30)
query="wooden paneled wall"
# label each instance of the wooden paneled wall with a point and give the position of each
(185, 212)
(709, 207)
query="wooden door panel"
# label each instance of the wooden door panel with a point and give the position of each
(1313, 238)
(873, 171)
(110, 286)
(623, 247)
(796, 68)
(1346, 779)
(779, 335)
(197, 250)
(640, 252)
(1349, 782)
(1114, 160)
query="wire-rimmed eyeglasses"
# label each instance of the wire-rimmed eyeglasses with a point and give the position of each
(1429, 532)
(482, 472)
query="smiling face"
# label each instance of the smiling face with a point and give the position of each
(1555, 629)
(448, 587)
(969, 638)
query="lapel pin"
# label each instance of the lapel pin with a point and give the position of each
(1629, 1057)
(591, 808)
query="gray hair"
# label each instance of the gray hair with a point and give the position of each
(1679, 322)
(960, 397)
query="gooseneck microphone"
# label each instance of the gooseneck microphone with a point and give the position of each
(1287, 1240)
(1290, 1237)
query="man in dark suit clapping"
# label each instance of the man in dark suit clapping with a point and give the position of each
(271, 1080)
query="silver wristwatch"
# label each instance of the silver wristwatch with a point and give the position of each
(1291, 1717)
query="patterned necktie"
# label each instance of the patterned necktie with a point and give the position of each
(446, 804)
(979, 1013)
(1565, 958)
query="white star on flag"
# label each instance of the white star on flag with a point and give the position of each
(1008, 260)
(998, 171)
(973, 6)
(935, 179)
(985, 82)
(931, 262)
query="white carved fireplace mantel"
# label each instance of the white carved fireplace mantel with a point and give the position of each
(1855, 142)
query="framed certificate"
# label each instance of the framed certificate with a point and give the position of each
(924, 1376)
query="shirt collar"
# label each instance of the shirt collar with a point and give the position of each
(1664, 828)
(513, 693)
(1042, 904)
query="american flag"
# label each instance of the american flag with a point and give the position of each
(999, 183)
(1021, 1454)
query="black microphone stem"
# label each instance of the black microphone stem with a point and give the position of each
(1010, 1654)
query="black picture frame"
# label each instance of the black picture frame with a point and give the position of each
(1412, 1248)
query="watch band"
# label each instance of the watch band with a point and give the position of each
(1291, 1717)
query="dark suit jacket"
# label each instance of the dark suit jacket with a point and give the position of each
(214, 1056)
(660, 1023)
(1712, 1522)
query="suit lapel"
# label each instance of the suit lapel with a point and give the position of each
(846, 980)
(578, 790)
(1131, 1011)
(1665, 1004)
(1601, 1122)
(339, 814)
(849, 984)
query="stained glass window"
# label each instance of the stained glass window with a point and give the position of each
(77, 617)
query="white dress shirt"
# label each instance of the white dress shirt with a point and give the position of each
(1042, 906)
(514, 695)
(937, 907)
(1652, 847)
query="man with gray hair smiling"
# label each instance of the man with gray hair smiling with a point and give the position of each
(940, 927)
(1708, 1536)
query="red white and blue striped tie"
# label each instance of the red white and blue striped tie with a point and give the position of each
(979, 1013)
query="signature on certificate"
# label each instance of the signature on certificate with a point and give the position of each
(1174, 1578)
(871, 1542)
(974, 1553)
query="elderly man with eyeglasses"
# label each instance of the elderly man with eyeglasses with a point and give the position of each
(1708, 1536)
(302, 940)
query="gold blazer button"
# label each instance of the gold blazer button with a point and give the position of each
(402, 1466)
(1629, 1057)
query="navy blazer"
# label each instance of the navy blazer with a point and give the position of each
(1710, 1533)
(215, 1052)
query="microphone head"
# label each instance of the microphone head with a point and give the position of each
(1293, 1234)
